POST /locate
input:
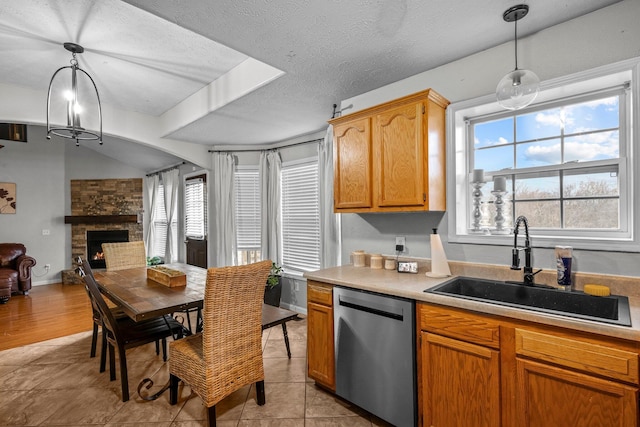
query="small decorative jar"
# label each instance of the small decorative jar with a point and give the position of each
(357, 258)
(389, 264)
(376, 261)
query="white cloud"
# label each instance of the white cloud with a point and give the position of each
(545, 154)
(549, 119)
(602, 145)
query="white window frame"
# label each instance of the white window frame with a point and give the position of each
(287, 264)
(460, 163)
(252, 253)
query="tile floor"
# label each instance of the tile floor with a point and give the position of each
(56, 383)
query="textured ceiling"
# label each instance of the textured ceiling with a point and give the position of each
(150, 56)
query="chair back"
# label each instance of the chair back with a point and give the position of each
(122, 255)
(99, 305)
(9, 254)
(232, 320)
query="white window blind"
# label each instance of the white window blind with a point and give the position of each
(247, 215)
(160, 226)
(195, 207)
(300, 216)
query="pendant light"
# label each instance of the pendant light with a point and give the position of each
(74, 98)
(519, 88)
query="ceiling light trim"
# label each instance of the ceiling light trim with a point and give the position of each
(241, 80)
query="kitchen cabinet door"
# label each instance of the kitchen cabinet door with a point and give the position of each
(553, 396)
(398, 156)
(320, 345)
(352, 165)
(460, 383)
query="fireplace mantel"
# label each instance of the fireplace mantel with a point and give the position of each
(100, 219)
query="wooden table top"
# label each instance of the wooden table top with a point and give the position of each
(142, 298)
(272, 316)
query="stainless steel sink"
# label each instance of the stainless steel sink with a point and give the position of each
(612, 309)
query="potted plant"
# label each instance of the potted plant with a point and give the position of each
(273, 287)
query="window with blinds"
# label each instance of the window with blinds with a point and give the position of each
(247, 215)
(195, 207)
(300, 216)
(160, 226)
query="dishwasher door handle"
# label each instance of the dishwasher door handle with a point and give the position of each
(368, 307)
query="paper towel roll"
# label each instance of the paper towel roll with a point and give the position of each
(439, 264)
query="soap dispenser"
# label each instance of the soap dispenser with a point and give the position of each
(439, 264)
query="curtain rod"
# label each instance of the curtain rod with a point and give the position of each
(265, 149)
(176, 166)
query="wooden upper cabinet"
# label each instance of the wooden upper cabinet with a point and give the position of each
(352, 164)
(391, 157)
(398, 157)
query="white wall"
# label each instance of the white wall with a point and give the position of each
(600, 38)
(42, 171)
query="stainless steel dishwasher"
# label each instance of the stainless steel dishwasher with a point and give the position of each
(375, 354)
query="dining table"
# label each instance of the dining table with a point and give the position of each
(143, 298)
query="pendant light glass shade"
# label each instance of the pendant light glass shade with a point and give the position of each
(73, 99)
(519, 88)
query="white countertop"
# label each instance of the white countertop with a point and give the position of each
(412, 286)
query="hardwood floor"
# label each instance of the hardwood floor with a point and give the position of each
(49, 311)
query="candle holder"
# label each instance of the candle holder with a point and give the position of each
(499, 218)
(476, 213)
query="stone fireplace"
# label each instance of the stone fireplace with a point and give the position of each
(104, 205)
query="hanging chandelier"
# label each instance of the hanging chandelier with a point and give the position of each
(519, 88)
(74, 98)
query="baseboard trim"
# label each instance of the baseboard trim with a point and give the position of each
(301, 310)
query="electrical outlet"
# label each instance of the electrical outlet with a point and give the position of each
(47, 266)
(400, 243)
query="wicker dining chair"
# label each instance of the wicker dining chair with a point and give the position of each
(124, 333)
(122, 255)
(227, 354)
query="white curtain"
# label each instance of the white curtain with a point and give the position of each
(329, 221)
(171, 184)
(153, 182)
(223, 210)
(269, 176)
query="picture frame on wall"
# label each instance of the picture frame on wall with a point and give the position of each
(7, 197)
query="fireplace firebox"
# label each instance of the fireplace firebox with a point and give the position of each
(95, 239)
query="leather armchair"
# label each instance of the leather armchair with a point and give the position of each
(15, 270)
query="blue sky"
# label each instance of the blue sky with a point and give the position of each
(542, 130)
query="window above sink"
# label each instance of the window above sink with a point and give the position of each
(564, 158)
